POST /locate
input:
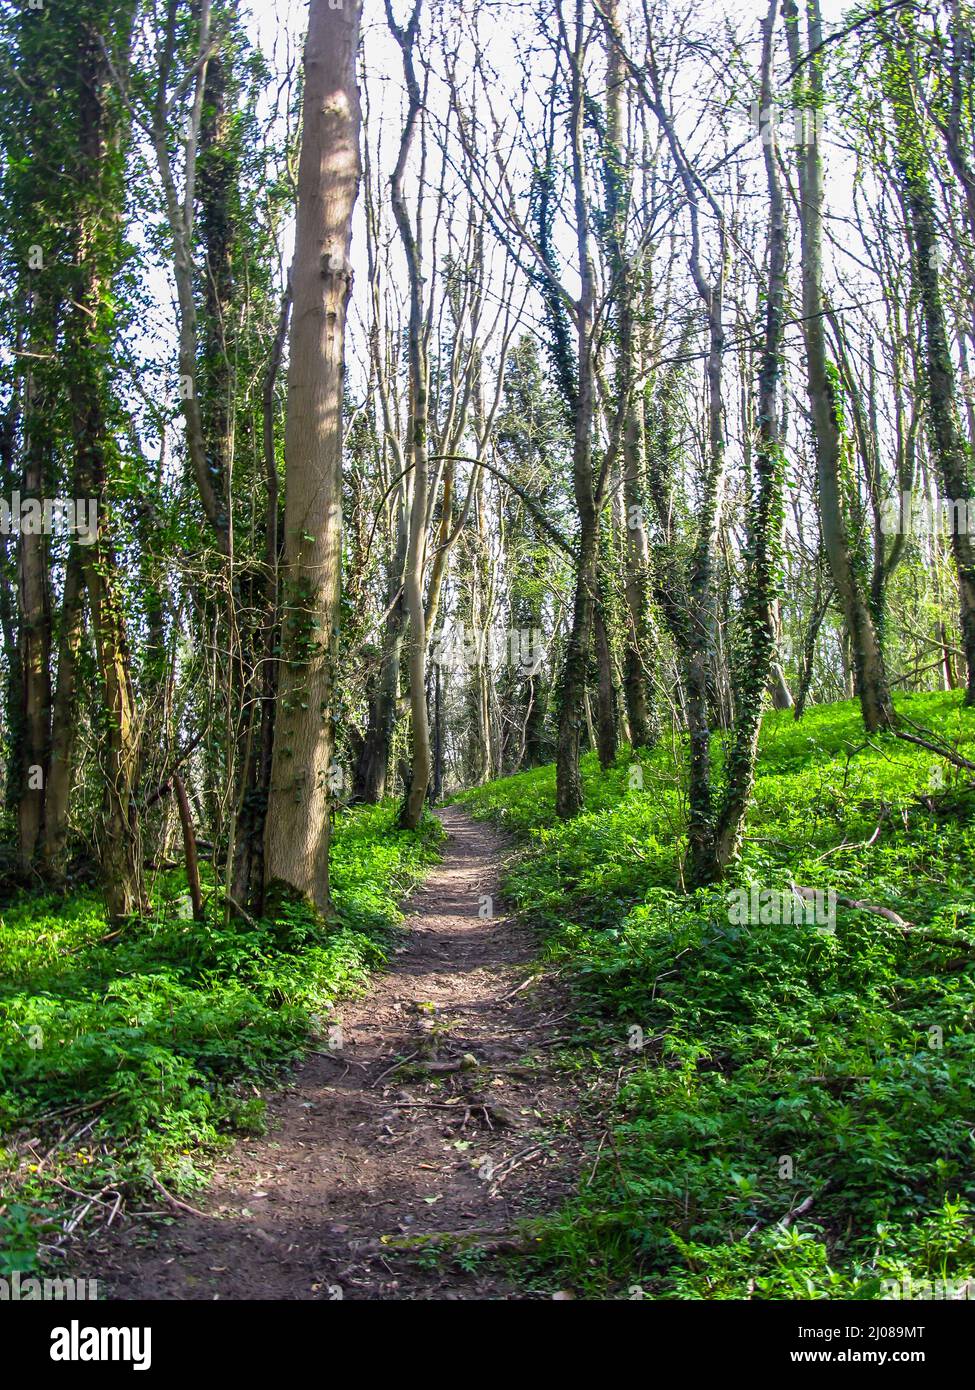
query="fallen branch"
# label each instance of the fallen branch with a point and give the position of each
(941, 751)
(814, 895)
(889, 915)
(241, 911)
(798, 1211)
(518, 988)
(400, 1063)
(183, 1206)
(789, 1217)
(865, 844)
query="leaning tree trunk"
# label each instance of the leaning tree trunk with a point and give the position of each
(297, 828)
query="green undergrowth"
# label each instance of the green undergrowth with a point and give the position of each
(795, 1119)
(126, 1057)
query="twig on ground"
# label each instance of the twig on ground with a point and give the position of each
(401, 1062)
(183, 1206)
(518, 988)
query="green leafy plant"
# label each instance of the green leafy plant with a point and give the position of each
(799, 1125)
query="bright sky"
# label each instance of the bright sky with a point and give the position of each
(278, 27)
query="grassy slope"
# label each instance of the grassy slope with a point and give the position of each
(779, 1062)
(131, 1055)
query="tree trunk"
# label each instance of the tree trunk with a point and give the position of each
(607, 739)
(823, 388)
(949, 447)
(189, 848)
(35, 631)
(419, 372)
(438, 722)
(382, 693)
(639, 642)
(13, 683)
(297, 828)
(64, 720)
(764, 543)
(120, 849)
(820, 607)
(568, 780)
(247, 884)
(572, 688)
(641, 652)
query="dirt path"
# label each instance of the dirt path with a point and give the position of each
(363, 1160)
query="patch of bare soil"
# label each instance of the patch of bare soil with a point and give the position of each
(366, 1160)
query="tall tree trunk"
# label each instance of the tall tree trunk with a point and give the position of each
(64, 720)
(297, 828)
(607, 738)
(9, 626)
(35, 627)
(764, 545)
(180, 216)
(216, 177)
(641, 651)
(823, 384)
(438, 745)
(639, 642)
(418, 451)
(118, 834)
(948, 442)
(698, 630)
(247, 882)
(382, 686)
(189, 848)
(818, 611)
(568, 780)
(382, 696)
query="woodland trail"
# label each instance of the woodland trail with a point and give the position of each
(362, 1159)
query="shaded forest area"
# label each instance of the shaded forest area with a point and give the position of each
(562, 409)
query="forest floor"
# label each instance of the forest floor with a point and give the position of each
(399, 1158)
